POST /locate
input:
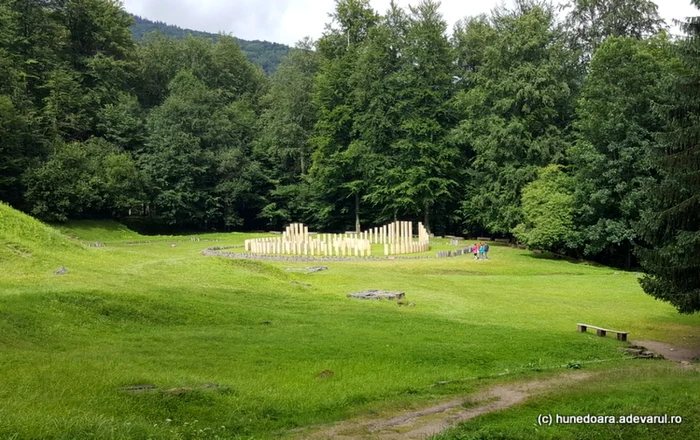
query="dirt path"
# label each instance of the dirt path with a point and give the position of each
(671, 352)
(419, 424)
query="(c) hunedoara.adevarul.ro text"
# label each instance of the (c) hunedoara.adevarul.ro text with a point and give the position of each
(558, 419)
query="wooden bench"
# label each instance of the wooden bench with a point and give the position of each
(621, 336)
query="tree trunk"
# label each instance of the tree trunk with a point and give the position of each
(357, 212)
(426, 220)
(628, 262)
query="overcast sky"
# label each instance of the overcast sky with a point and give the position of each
(288, 21)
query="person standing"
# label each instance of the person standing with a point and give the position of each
(486, 251)
(475, 249)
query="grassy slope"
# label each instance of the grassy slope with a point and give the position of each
(18, 230)
(152, 313)
(27, 244)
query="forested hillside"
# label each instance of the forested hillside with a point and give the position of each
(570, 134)
(263, 53)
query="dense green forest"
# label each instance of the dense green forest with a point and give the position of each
(576, 133)
(263, 53)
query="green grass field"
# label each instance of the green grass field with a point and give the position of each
(149, 313)
(646, 389)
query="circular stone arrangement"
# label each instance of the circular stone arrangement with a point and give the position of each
(397, 238)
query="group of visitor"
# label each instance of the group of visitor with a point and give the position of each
(480, 251)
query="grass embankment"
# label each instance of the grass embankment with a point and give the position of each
(156, 314)
(21, 235)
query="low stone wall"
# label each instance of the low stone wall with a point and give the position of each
(455, 253)
(217, 252)
(171, 240)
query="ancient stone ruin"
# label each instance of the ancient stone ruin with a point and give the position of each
(397, 238)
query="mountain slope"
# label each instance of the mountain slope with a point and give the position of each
(264, 53)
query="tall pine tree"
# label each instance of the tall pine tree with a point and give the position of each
(337, 171)
(515, 109)
(672, 227)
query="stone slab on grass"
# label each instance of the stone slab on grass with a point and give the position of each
(376, 294)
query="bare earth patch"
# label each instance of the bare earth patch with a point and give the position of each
(419, 424)
(671, 352)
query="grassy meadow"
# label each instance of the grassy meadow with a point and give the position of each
(236, 348)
